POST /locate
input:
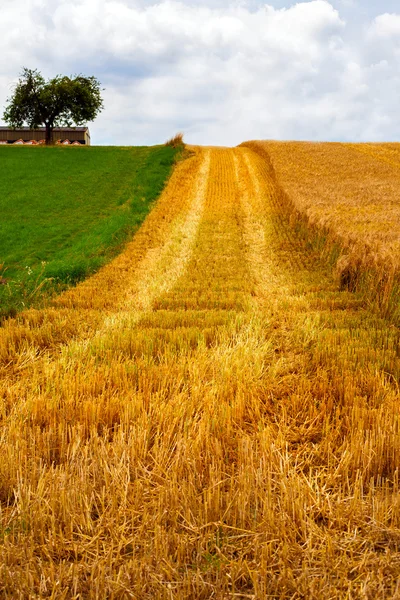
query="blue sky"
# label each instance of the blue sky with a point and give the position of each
(222, 72)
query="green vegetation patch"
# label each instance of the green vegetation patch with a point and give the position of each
(67, 211)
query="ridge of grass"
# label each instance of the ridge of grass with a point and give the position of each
(66, 212)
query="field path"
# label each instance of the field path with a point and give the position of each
(206, 417)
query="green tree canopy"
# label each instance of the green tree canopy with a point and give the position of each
(59, 102)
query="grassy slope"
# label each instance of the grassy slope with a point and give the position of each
(66, 211)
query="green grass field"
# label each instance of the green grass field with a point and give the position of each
(67, 211)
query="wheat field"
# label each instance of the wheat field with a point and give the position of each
(210, 416)
(345, 198)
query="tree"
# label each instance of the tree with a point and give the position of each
(61, 101)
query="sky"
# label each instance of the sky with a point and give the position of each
(220, 71)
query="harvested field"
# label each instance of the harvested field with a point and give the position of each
(345, 199)
(209, 416)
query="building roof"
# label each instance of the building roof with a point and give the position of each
(2, 128)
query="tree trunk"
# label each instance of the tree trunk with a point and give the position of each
(49, 134)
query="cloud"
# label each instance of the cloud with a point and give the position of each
(221, 73)
(386, 26)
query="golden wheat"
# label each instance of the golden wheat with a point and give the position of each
(343, 197)
(207, 417)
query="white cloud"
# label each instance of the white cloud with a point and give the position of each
(222, 74)
(386, 26)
